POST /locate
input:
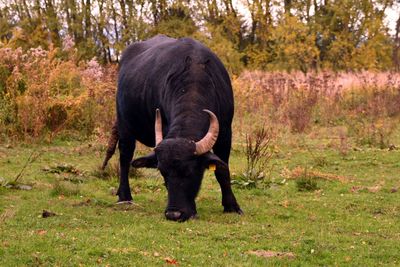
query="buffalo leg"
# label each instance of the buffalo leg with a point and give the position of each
(126, 149)
(223, 177)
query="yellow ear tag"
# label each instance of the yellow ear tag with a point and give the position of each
(212, 167)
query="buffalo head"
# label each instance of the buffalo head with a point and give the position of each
(182, 163)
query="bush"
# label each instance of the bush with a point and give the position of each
(258, 153)
(43, 95)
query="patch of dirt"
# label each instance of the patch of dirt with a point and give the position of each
(272, 254)
(300, 172)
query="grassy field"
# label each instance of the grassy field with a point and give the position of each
(355, 222)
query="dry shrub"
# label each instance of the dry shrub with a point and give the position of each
(46, 92)
(45, 95)
(299, 108)
(367, 103)
(376, 133)
(258, 151)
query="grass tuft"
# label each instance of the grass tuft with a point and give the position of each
(62, 188)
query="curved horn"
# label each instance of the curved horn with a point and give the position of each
(158, 127)
(208, 141)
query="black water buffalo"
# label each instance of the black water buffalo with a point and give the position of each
(175, 95)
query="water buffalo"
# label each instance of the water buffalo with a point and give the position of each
(175, 95)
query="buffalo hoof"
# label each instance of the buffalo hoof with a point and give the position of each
(173, 215)
(124, 195)
(235, 209)
(125, 202)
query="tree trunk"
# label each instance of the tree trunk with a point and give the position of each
(396, 48)
(52, 23)
(88, 23)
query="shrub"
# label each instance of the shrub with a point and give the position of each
(44, 95)
(376, 133)
(258, 152)
(299, 109)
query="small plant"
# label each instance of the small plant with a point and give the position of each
(299, 109)
(63, 188)
(63, 168)
(306, 184)
(320, 161)
(258, 155)
(112, 172)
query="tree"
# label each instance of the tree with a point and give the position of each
(396, 46)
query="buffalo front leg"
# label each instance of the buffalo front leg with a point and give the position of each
(222, 150)
(228, 198)
(126, 149)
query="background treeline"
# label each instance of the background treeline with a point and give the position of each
(273, 35)
(296, 65)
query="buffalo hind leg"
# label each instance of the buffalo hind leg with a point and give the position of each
(223, 177)
(126, 148)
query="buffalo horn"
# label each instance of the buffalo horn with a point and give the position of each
(208, 141)
(158, 127)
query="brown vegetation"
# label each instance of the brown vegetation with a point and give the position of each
(43, 96)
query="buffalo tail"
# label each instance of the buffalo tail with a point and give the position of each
(112, 144)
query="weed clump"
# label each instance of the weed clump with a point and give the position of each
(62, 188)
(306, 184)
(112, 172)
(258, 151)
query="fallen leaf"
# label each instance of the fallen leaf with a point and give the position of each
(285, 203)
(144, 253)
(171, 261)
(41, 232)
(271, 254)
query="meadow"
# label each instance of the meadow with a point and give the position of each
(325, 192)
(350, 217)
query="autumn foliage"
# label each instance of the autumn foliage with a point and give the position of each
(49, 92)
(42, 94)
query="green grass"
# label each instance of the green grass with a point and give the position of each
(329, 226)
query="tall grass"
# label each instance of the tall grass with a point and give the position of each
(44, 93)
(367, 104)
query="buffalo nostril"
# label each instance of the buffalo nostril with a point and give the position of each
(173, 215)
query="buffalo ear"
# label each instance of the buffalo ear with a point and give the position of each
(148, 161)
(211, 159)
